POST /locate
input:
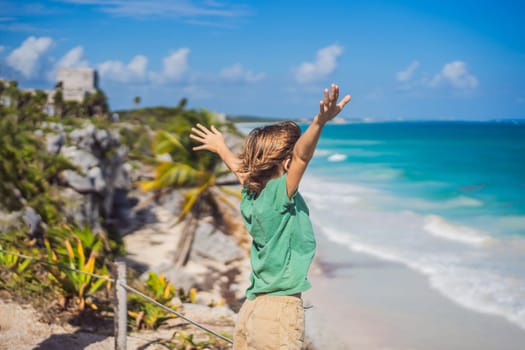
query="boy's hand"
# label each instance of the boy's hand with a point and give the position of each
(211, 140)
(329, 108)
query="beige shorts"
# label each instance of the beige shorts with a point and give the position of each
(270, 322)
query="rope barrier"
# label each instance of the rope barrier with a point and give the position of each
(124, 285)
(165, 308)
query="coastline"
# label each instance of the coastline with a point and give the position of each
(362, 302)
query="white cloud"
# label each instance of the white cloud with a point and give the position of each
(406, 74)
(135, 70)
(456, 75)
(73, 58)
(324, 64)
(175, 65)
(25, 59)
(237, 73)
(167, 8)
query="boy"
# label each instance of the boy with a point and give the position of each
(270, 168)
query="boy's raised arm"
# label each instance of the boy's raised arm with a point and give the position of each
(213, 140)
(305, 147)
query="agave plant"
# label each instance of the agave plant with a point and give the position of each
(13, 262)
(76, 284)
(197, 172)
(147, 315)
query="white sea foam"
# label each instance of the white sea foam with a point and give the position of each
(439, 227)
(337, 157)
(467, 265)
(483, 291)
(457, 202)
(322, 152)
(352, 152)
(462, 201)
(475, 289)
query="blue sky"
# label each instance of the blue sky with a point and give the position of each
(398, 59)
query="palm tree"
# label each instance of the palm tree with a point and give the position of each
(182, 103)
(95, 104)
(198, 173)
(136, 100)
(58, 101)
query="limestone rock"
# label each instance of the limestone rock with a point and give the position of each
(213, 244)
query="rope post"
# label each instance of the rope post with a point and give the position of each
(120, 305)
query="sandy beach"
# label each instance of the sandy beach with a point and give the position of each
(371, 304)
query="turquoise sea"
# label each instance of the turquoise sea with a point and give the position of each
(444, 198)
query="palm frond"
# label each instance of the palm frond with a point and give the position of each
(230, 192)
(165, 142)
(174, 175)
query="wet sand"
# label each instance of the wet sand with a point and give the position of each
(360, 302)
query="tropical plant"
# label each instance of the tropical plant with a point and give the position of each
(91, 242)
(76, 280)
(27, 170)
(22, 277)
(95, 104)
(147, 315)
(58, 101)
(12, 93)
(13, 262)
(71, 109)
(181, 340)
(197, 173)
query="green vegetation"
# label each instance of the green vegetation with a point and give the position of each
(31, 179)
(83, 255)
(147, 315)
(197, 172)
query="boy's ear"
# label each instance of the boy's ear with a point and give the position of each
(287, 164)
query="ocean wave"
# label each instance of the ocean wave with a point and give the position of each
(439, 227)
(429, 205)
(322, 152)
(483, 291)
(479, 290)
(463, 201)
(337, 157)
(353, 152)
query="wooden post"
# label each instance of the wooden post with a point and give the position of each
(120, 306)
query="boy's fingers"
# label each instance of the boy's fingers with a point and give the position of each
(214, 129)
(198, 148)
(203, 129)
(197, 138)
(344, 101)
(335, 92)
(326, 96)
(197, 132)
(321, 106)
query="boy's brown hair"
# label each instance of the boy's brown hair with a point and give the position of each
(264, 151)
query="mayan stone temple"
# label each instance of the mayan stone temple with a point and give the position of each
(77, 82)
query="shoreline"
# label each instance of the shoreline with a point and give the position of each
(363, 302)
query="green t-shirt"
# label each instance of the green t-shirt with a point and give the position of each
(283, 244)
